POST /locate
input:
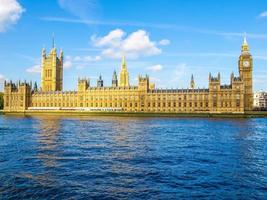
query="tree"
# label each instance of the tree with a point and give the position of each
(1, 100)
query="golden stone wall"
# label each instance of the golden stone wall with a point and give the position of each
(145, 97)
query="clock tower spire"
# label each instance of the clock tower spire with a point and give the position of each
(245, 47)
(245, 65)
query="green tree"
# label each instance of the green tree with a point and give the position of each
(1, 100)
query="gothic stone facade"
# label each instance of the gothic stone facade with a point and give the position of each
(237, 97)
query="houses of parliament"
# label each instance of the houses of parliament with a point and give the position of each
(121, 96)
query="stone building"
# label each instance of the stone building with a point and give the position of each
(260, 100)
(236, 97)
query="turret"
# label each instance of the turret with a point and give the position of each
(143, 83)
(61, 55)
(43, 53)
(232, 78)
(31, 85)
(100, 82)
(35, 87)
(114, 79)
(83, 84)
(192, 82)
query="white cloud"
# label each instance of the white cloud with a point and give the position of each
(79, 61)
(164, 42)
(155, 68)
(10, 13)
(91, 58)
(179, 72)
(263, 14)
(260, 57)
(117, 43)
(83, 9)
(2, 80)
(114, 38)
(67, 64)
(36, 69)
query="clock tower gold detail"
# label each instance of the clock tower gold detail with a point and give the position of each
(245, 70)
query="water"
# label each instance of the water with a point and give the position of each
(132, 158)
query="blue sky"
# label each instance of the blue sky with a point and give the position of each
(169, 40)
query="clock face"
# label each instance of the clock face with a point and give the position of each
(246, 63)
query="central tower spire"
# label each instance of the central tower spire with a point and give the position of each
(123, 62)
(124, 75)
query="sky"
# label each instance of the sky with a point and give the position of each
(168, 40)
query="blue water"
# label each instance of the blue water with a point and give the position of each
(132, 158)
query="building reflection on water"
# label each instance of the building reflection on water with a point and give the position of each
(47, 137)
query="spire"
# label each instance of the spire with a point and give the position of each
(43, 52)
(123, 63)
(245, 40)
(245, 47)
(35, 88)
(100, 82)
(192, 83)
(53, 41)
(114, 75)
(232, 77)
(124, 75)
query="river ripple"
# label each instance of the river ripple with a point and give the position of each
(132, 158)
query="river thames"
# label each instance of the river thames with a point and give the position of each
(132, 158)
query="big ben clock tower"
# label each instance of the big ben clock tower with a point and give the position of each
(245, 65)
